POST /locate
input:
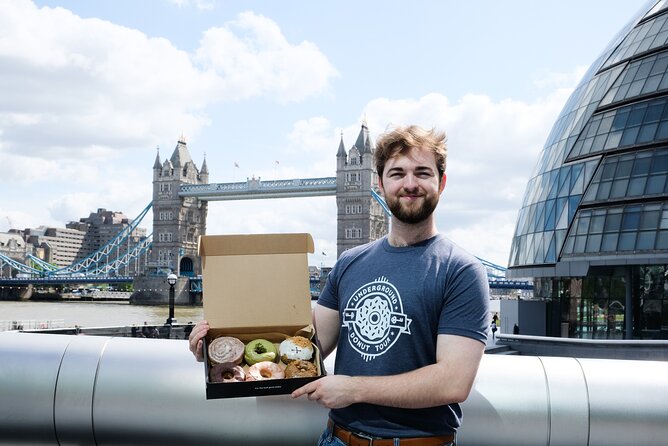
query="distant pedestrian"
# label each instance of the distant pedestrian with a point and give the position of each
(494, 328)
(516, 329)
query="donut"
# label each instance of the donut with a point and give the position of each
(264, 370)
(227, 372)
(295, 347)
(259, 350)
(226, 349)
(300, 369)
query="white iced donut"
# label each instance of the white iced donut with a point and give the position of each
(295, 347)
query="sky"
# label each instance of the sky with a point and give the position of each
(91, 91)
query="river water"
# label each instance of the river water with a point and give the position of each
(89, 314)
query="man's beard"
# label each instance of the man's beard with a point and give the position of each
(410, 214)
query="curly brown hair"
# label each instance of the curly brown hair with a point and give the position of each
(401, 139)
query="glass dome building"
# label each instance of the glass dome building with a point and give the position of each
(592, 231)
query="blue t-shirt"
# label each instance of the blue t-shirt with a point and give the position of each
(392, 304)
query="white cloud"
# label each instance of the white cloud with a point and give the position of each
(202, 5)
(253, 58)
(79, 82)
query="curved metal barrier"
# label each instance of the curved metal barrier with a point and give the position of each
(89, 390)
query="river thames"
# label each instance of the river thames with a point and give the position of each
(90, 314)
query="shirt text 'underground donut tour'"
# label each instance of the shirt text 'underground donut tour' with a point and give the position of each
(393, 303)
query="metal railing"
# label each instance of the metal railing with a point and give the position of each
(90, 390)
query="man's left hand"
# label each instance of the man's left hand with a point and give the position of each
(332, 391)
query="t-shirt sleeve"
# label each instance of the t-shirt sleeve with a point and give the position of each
(465, 309)
(329, 297)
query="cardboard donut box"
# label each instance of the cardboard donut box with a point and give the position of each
(257, 286)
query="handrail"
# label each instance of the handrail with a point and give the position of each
(90, 390)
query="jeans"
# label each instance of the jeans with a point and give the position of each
(327, 439)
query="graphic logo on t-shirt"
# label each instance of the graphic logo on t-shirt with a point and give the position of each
(375, 318)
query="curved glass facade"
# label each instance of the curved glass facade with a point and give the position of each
(594, 219)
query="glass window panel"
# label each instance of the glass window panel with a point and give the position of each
(580, 243)
(636, 115)
(597, 223)
(635, 88)
(662, 133)
(618, 93)
(655, 184)
(610, 242)
(652, 84)
(637, 186)
(613, 222)
(654, 112)
(606, 123)
(645, 240)
(604, 190)
(627, 241)
(619, 122)
(664, 83)
(593, 243)
(568, 247)
(609, 169)
(629, 136)
(630, 221)
(662, 240)
(650, 220)
(582, 225)
(641, 166)
(659, 164)
(598, 144)
(664, 219)
(647, 133)
(591, 192)
(660, 65)
(613, 140)
(573, 203)
(624, 168)
(619, 188)
(592, 127)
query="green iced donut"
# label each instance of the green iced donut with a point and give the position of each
(259, 350)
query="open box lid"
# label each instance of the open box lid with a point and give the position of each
(256, 280)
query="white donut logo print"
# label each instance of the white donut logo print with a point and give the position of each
(375, 318)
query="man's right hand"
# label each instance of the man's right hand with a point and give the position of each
(195, 339)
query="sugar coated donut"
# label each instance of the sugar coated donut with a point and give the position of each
(227, 372)
(264, 370)
(259, 350)
(226, 349)
(300, 369)
(295, 347)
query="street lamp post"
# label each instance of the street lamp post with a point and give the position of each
(171, 280)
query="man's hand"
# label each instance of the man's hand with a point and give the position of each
(333, 391)
(195, 339)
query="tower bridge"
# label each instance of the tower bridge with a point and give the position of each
(181, 193)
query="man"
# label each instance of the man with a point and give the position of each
(407, 314)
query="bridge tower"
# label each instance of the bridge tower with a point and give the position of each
(177, 221)
(360, 218)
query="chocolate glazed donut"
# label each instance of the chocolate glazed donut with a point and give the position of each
(226, 349)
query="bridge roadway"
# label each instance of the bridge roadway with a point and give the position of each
(258, 189)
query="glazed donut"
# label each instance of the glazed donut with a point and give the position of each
(300, 369)
(259, 350)
(295, 347)
(264, 370)
(226, 349)
(227, 372)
